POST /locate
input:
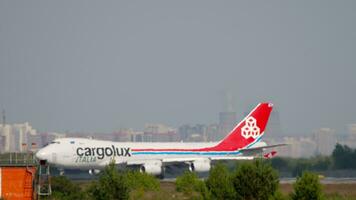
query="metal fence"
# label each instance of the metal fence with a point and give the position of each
(17, 159)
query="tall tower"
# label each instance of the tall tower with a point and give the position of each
(274, 127)
(227, 118)
(3, 118)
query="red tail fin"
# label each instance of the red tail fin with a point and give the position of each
(248, 131)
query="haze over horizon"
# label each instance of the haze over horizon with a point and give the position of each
(100, 66)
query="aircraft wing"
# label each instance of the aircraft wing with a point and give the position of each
(233, 158)
(175, 160)
(248, 154)
(170, 161)
(256, 150)
(165, 161)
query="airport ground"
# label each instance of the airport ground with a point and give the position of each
(331, 190)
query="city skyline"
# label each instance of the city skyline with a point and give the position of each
(24, 138)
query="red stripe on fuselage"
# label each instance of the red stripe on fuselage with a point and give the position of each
(194, 150)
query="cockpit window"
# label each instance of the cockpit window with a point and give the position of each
(55, 142)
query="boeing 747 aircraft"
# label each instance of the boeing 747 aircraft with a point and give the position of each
(243, 142)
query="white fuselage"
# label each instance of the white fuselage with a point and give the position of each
(80, 153)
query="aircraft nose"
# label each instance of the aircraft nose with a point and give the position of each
(42, 155)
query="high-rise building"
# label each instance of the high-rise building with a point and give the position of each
(128, 135)
(227, 121)
(212, 131)
(325, 139)
(297, 147)
(193, 133)
(159, 133)
(274, 127)
(17, 137)
(5, 130)
(350, 138)
(351, 129)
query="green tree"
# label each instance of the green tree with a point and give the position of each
(307, 187)
(321, 163)
(281, 164)
(255, 180)
(64, 189)
(190, 184)
(142, 181)
(111, 185)
(219, 183)
(344, 157)
(300, 166)
(139, 183)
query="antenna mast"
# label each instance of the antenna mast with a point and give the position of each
(3, 117)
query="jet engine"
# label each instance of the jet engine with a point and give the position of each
(154, 168)
(94, 171)
(201, 165)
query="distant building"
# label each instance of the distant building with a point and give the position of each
(2, 143)
(193, 133)
(307, 147)
(16, 137)
(101, 136)
(227, 121)
(325, 139)
(297, 147)
(7, 135)
(128, 135)
(274, 127)
(350, 138)
(212, 132)
(159, 133)
(351, 130)
(35, 142)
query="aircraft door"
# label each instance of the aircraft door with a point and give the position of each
(54, 157)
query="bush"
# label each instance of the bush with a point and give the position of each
(63, 188)
(190, 184)
(142, 181)
(278, 195)
(255, 180)
(219, 183)
(111, 185)
(307, 187)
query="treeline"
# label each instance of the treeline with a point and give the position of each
(250, 180)
(342, 157)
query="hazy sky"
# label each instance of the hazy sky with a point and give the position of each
(104, 65)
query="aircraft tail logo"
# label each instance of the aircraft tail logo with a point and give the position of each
(250, 129)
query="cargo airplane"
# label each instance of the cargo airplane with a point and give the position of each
(243, 142)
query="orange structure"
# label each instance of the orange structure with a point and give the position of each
(17, 183)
